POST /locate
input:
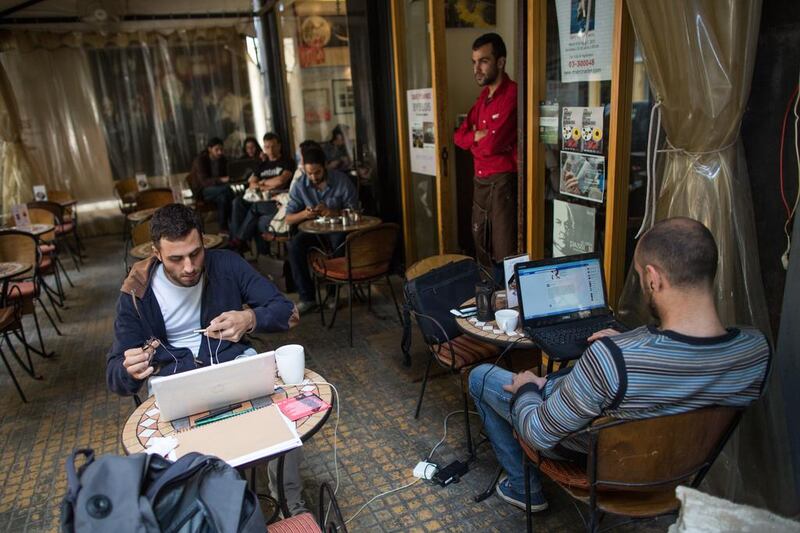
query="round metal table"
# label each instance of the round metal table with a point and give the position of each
(490, 333)
(324, 228)
(145, 250)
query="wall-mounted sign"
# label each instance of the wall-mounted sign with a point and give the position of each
(585, 29)
(420, 126)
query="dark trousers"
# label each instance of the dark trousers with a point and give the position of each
(247, 217)
(494, 217)
(222, 196)
(298, 259)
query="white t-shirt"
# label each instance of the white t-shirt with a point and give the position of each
(180, 307)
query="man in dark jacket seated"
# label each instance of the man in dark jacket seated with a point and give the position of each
(209, 179)
(181, 289)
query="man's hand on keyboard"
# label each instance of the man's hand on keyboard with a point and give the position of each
(603, 333)
(521, 379)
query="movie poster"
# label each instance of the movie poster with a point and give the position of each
(571, 122)
(592, 130)
(573, 229)
(585, 28)
(420, 125)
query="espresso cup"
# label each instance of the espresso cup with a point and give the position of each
(291, 362)
(506, 320)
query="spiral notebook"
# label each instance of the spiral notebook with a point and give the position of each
(241, 439)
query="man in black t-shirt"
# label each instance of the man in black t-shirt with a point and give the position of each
(273, 174)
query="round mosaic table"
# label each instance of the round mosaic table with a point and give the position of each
(67, 203)
(140, 216)
(324, 228)
(145, 250)
(137, 429)
(10, 269)
(490, 332)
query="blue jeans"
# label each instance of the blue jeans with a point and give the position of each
(494, 407)
(222, 197)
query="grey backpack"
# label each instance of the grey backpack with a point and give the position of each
(147, 493)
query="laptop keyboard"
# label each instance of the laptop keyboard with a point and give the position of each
(573, 334)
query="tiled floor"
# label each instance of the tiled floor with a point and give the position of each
(379, 440)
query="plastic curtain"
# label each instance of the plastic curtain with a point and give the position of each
(163, 100)
(699, 56)
(94, 108)
(16, 171)
(61, 130)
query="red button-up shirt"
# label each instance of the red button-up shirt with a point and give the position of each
(497, 151)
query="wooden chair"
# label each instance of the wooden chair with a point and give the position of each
(150, 198)
(21, 247)
(49, 261)
(329, 519)
(633, 466)
(457, 354)
(125, 190)
(63, 229)
(10, 321)
(140, 233)
(367, 259)
(70, 213)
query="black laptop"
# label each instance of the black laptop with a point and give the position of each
(241, 169)
(562, 302)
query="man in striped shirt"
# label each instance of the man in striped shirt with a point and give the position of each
(689, 361)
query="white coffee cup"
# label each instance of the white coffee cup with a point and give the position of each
(291, 361)
(507, 320)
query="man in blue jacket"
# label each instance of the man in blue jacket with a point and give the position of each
(183, 288)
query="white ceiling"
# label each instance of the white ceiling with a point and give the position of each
(80, 8)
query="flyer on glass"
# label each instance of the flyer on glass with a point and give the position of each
(571, 122)
(583, 176)
(585, 30)
(573, 228)
(420, 125)
(592, 130)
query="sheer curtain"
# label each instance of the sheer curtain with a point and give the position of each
(699, 56)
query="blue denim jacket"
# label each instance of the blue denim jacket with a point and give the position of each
(338, 193)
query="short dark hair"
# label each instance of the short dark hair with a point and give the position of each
(498, 45)
(173, 222)
(683, 249)
(214, 141)
(270, 136)
(313, 155)
(309, 143)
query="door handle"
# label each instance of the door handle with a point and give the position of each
(444, 155)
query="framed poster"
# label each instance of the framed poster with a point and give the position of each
(470, 13)
(344, 100)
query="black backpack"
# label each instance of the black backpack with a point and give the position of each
(434, 294)
(144, 493)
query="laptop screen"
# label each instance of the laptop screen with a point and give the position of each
(560, 289)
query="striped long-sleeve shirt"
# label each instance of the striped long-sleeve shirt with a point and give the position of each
(641, 374)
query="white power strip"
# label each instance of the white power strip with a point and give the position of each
(425, 470)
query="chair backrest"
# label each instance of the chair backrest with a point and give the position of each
(372, 248)
(429, 263)
(140, 233)
(43, 216)
(58, 196)
(125, 186)
(52, 207)
(153, 198)
(655, 453)
(18, 247)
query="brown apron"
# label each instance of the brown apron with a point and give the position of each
(494, 217)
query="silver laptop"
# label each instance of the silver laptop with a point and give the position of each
(215, 386)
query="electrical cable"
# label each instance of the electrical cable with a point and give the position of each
(444, 437)
(790, 213)
(398, 489)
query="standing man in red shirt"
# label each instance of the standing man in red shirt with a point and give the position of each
(490, 133)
